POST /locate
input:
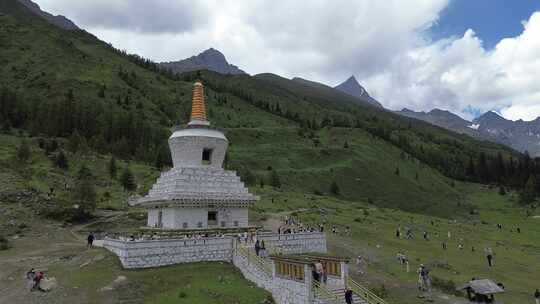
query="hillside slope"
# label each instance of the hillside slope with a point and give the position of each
(69, 84)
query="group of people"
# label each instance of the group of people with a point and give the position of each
(488, 251)
(318, 271)
(33, 279)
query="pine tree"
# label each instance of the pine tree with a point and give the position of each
(74, 142)
(274, 180)
(23, 151)
(128, 180)
(528, 194)
(334, 188)
(61, 161)
(84, 193)
(101, 93)
(112, 168)
(248, 177)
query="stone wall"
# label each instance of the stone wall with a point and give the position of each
(284, 291)
(295, 243)
(154, 253)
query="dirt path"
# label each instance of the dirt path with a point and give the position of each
(42, 247)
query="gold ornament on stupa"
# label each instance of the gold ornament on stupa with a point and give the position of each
(198, 111)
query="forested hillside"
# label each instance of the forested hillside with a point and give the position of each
(284, 134)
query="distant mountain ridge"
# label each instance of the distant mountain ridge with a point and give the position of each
(353, 88)
(520, 135)
(58, 20)
(210, 59)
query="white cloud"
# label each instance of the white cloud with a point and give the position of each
(453, 74)
(383, 43)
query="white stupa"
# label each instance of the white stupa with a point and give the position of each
(197, 193)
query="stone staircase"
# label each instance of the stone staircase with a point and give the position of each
(340, 293)
(259, 270)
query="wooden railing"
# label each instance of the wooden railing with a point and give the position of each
(321, 292)
(364, 293)
(252, 258)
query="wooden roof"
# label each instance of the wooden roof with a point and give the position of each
(307, 259)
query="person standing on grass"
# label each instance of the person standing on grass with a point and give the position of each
(398, 232)
(489, 255)
(90, 240)
(360, 265)
(537, 296)
(30, 275)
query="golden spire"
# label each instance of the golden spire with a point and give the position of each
(198, 111)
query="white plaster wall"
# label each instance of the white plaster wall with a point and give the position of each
(186, 151)
(236, 214)
(167, 219)
(192, 216)
(152, 217)
(174, 218)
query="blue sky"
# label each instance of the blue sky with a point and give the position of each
(492, 20)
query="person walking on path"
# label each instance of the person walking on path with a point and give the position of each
(90, 240)
(263, 249)
(360, 265)
(319, 270)
(489, 256)
(257, 247)
(537, 296)
(349, 296)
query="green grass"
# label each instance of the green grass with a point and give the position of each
(516, 255)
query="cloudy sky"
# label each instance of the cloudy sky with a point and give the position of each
(460, 55)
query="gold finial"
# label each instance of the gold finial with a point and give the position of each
(198, 111)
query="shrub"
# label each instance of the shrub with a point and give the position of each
(446, 286)
(334, 188)
(381, 291)
(182, 295)
(4, 243)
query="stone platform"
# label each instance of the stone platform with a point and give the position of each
(162, 252)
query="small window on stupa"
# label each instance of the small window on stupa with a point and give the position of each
(206, 156)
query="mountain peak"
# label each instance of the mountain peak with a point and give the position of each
(489, 116)
(58, 20)
(209, 59)
(353, 88)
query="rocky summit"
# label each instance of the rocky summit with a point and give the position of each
(58, 20)
(352, 87)
(520, 135)
(211, 59)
